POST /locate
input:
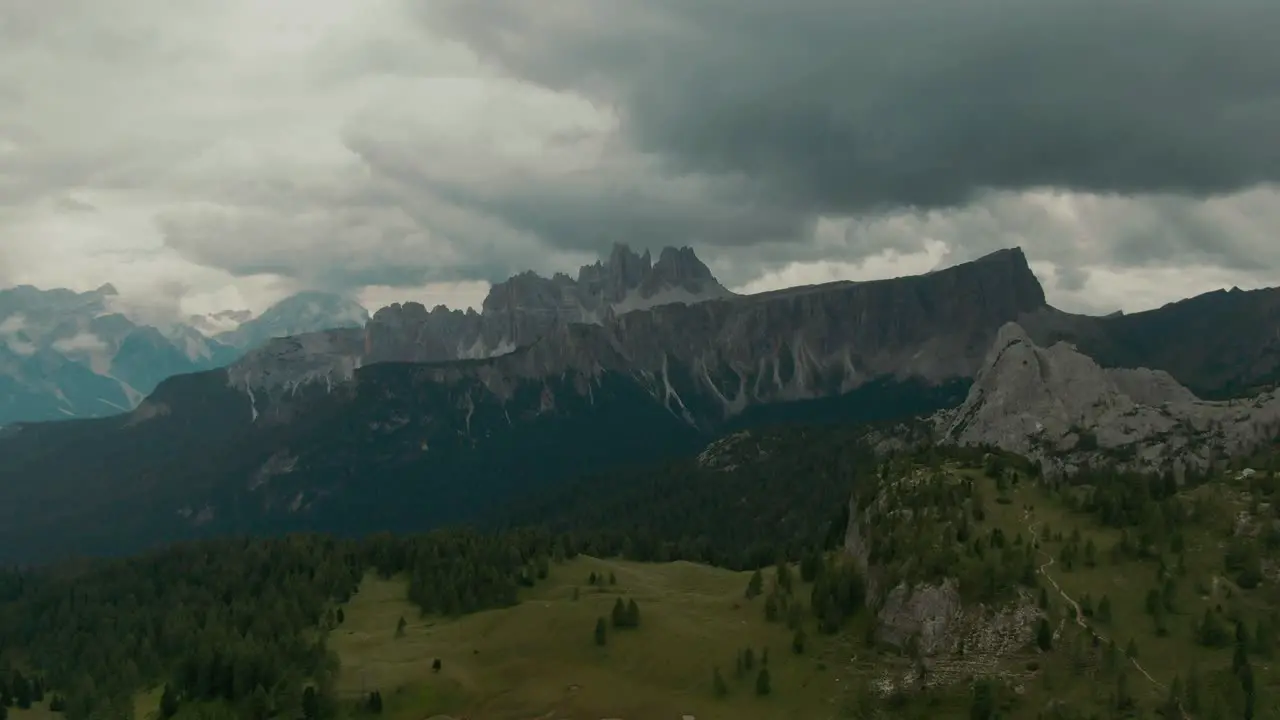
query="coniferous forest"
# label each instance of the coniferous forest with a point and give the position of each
(242, 620)
(240, 625)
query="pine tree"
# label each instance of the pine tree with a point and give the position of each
(619, 614)
(168, 702)
(310, 704)
(1044, 635)
(21, 691)
(1123, 697)
(613, 579)
(718, 684)
(982, 703)
(1044, 599)
(592, 579)
(762, 682)
(436, 665)
(1169, 594)
(1242, 635)
(400, 627)
(795, 615)
(810, 566)
(797, 641)
(755, 585)
(771, 609)
(601, 631)
(749, 659)
(633, 614)
(342, 617)
(784, 576)
(1131, 650)
(1104, 609)
(1193, 690)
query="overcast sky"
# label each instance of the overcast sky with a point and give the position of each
(215, 154)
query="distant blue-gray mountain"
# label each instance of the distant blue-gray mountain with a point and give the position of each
(66, 354)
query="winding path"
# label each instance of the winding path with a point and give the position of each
(1075, 606)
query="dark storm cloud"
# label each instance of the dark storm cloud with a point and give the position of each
(621, 200)
(848, 106)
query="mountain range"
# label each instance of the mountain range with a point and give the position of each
(65, 354)
(422, 417)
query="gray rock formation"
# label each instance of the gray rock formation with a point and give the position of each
(1057, 405)
(526, 307)
(929, 615)
(708, 360)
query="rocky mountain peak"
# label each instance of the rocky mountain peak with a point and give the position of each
(1058, 405)
(300, 313)
(680, 267)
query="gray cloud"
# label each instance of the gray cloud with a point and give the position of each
(399, 143)
(849, 106)
(787, 112)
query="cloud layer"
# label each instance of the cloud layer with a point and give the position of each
(218, 154)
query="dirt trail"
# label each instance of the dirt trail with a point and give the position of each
(1075, 606)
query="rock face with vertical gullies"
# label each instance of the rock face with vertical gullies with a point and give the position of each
(699, 349)
(387, 428)
(1058, 405)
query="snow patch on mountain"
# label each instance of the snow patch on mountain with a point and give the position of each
(295, 315)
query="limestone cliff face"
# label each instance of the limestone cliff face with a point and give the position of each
(1058, 405)
(527, 307)
(705, 361)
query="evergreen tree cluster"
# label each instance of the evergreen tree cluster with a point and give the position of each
(233, 621)
(740, 515)
(626, 615)
(18, 690)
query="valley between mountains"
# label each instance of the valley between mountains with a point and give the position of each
(634, 494)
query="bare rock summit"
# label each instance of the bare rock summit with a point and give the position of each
(1057, 405)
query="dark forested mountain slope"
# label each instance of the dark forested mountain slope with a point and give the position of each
(1221, 344)
(304, 434)
(394, 427)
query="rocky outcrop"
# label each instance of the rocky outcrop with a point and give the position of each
(705, 361)
(527, 307)
(925, 615)
(1058, 405)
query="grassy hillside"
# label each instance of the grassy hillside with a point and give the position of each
(1106, 595)
(540, 658)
